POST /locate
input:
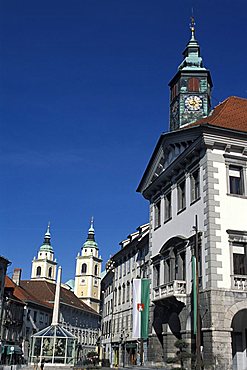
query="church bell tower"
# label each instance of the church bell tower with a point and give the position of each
(190, 88)
(88, 270)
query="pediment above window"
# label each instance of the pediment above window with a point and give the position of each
(176, 242)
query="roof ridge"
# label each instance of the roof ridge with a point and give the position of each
(237, 97)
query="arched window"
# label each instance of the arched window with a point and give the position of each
(84, 268)
(193, 84)
(50, 272)
(96, 270)
(38, 271)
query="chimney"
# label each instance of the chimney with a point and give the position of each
(16, 277)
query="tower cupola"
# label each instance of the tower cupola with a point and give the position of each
(90, 242)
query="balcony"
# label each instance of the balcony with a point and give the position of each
(176, 288)
(240, 282)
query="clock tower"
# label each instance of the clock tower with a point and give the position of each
(190, 88)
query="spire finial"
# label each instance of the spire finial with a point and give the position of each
(91, 222)
(48, 229)
(192, 25)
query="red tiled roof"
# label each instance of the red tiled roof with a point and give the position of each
(22, 294)
(45, 293)
(231, 113)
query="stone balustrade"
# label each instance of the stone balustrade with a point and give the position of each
(173, 288)
(240, 282)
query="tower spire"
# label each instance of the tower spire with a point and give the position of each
(90, 241)
(47, 240)
(192, 58)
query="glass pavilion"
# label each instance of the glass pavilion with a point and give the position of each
(55, 345)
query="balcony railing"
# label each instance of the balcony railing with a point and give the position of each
(174, 288)
(239, 282)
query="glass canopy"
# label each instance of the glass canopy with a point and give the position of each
(54, 345)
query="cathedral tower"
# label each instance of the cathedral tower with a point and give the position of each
(190, 88)
(88, 270)
(44, 266)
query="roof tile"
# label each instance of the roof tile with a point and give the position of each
(231, 114)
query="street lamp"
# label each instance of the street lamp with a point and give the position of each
(123, 338)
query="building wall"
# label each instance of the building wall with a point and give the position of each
(221, 223)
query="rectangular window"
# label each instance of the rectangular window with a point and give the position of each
(239, 259)
(124, 268)
(236, 185)
(123, 294)
(35, 316)
(195, 185)
(157, 275)
(128, 292)
(181, 195)
(119, 296)
(168, 206)
(41, 317)
(157, 214)
(128, 264)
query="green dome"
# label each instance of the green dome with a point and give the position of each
(46, 248)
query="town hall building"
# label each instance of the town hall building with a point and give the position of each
(196, 184)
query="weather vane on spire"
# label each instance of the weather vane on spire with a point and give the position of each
(192, 23)
(92, 222)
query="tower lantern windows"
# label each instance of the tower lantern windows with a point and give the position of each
(84, 268)
(96, 270)
(38, 271)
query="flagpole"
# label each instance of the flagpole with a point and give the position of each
(197, 303)
(141, 351)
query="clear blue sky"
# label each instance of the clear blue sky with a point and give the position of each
(84, 98)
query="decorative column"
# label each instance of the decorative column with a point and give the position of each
(55, 315)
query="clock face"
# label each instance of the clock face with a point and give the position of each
(193, 103)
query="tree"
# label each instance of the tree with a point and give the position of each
(181, 355)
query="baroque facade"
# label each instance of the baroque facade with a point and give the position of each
(119, 348)
(196, 183)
